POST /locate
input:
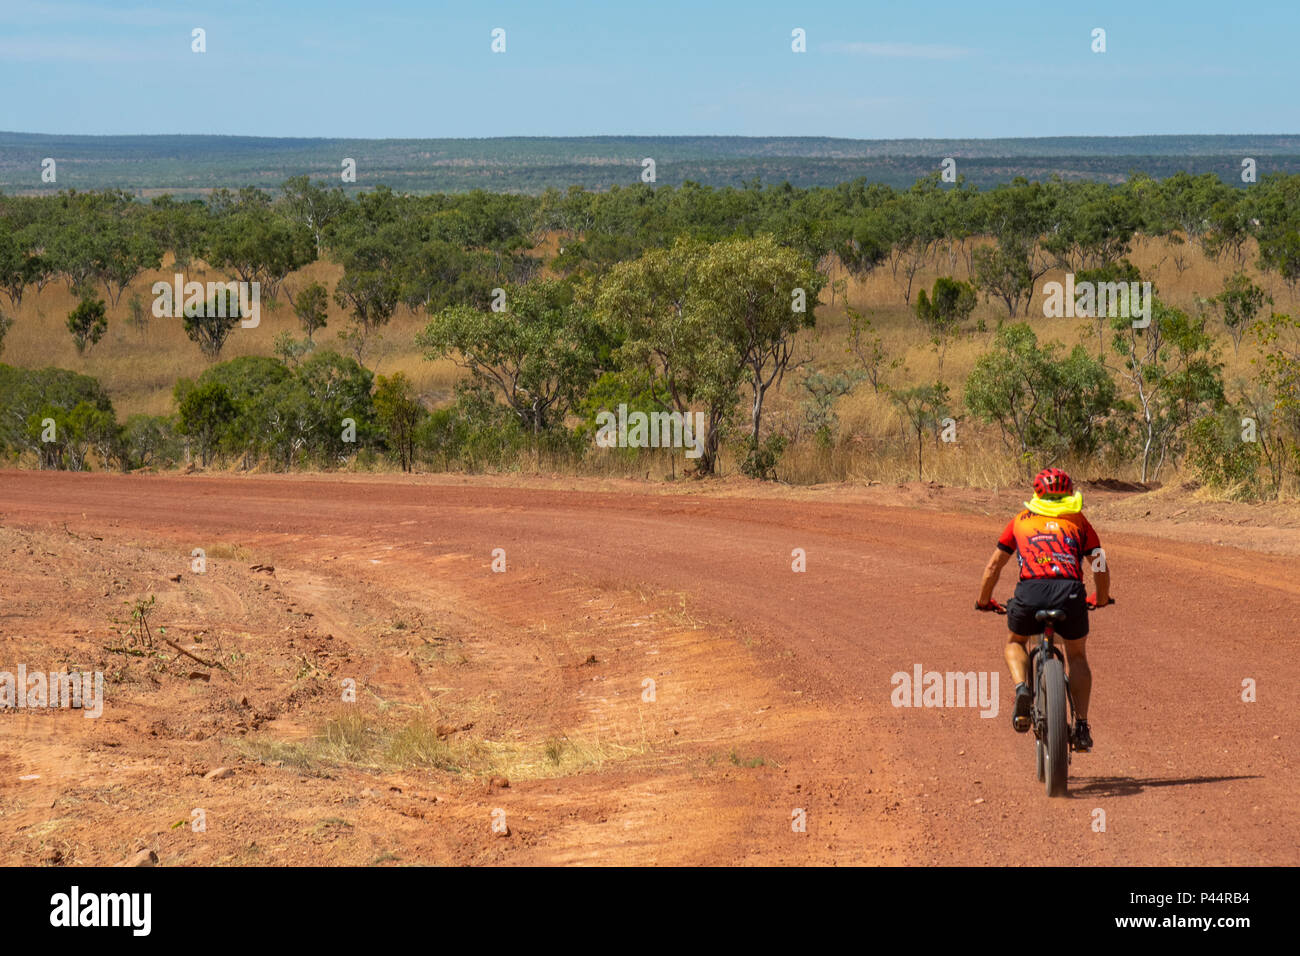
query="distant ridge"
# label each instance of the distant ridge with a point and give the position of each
(191, 164)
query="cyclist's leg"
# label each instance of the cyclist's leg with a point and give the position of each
(1076, 655)
(1018, 663)
(1017, 657)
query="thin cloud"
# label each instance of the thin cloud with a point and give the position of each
(910, 51)
(44, 12)
(78, 50)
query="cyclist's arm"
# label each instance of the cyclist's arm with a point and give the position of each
(991, 572)
(1101, 580)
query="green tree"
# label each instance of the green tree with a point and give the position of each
(475, 430)
(1219, 456)
(180, 227)
(205, 415)
(251, 383)
(869, 348)
(438, 273)
(311, 306)
(1281, 254)
(21, 261)
(1002, 271)
(1019, 215)
(1278, 409)
(824, 389)
(372, 296)
(539, 354)
(1046, 407)
(1239, 304)
(289, 350)
(90, 428)
(314, 206)
(916, 228)
(87, 323)
(28, 396)
(651, 307)
(252, 239)
(1096, 225)
(1123, 273)
(943, 312)
(1170, 366)
(335, 389)
(210, 325)
(1229, 229)
(125, 249)
(704, 317)
(149, 441)
(49, 434)
(1186, 201)
(73, 228)
(924, 408)
(398, 415)
(762, 295)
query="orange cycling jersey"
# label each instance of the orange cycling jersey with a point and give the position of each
(1049, 547)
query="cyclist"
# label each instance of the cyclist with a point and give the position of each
(1050, 539)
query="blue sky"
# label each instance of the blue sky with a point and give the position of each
(402, 68)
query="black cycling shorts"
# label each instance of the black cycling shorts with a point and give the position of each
(1046, 594)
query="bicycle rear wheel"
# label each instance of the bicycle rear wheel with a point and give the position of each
(1056, 747)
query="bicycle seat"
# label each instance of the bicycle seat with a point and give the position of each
(1056, 617)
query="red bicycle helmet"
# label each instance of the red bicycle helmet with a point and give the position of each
(1053, 481)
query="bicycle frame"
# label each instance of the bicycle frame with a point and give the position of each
(1046, 648)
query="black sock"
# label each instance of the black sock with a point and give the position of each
(1020, 688)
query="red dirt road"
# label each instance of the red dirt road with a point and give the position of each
(786, 676)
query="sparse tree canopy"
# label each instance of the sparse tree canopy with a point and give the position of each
(211, 324)
(87, 323)
(398, 415)
(1045, 406)
(1239, 303)
(705, 317)
(206, 415)
(943, 313)
(254, 240)
(311, 305)
(1171, 367)
(923, 407)
(539, 353)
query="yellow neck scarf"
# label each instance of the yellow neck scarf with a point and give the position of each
(1055, 507)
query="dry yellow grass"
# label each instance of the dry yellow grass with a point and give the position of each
(874, 446)
(413, 742)
(138, 367)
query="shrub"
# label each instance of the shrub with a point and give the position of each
(87, 323)
(398, 415)
(150, 441)
(1219, 456)
(211, 326)
(761, 458)
(207, 415)
(474, 432)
